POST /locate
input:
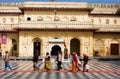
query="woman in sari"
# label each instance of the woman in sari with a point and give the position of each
(75, 62)
(47, 62)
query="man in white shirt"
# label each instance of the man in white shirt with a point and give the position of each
(59, 59)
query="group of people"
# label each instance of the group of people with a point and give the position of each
(75, 62)
(47, 66)
(72, 57)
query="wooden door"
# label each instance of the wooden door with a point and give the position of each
(114, 49)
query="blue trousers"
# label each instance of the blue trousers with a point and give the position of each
(7, 65)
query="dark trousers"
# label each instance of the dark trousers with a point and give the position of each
(35, 67)
(0, 54)
(84, 64)
(59, 65)
(7, 65)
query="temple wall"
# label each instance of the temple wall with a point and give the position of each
(102, 43)
(9, 45)
(78, 17)
(26, 41)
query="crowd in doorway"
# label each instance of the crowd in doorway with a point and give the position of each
(74, 60)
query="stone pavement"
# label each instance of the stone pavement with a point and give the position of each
(98, 70)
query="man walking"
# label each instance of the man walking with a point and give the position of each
(59, 59)
(7, 61)
(35, 60)
(85, 61)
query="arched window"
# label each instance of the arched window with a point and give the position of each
(99, 45)
(72, 19)
(115, 21)
(39, 19)
(37, 45)
(48, 18)
(75, 46)
(107, 21)
(65, 19)
(99, 21)
(19, 19)
(14, 42)
(56, 19)
(92, 20)
(4, 20)
(12, 20)
(28, 19)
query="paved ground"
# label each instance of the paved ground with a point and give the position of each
(98, 70)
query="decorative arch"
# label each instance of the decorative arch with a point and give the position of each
(65, 18)
(114, 41)
(12, 20)
(14, 48)
(92, 20)
(75, 46)
(36, 39)
(107, 21)
(73, 18)
(114, 47)
(115, 21)
(48, 18)
(37, 45)
(99, 21)
(39, 18)
(56, 18)
(99, 45)
(4, 20)
(55, 49)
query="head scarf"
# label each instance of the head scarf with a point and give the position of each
(75, 57)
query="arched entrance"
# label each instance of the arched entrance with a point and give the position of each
(55, 50)
(75, 46)
(37, 45)
(14, 48)
(114, 49)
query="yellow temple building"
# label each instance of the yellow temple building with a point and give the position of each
(93, 29)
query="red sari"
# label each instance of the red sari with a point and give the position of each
(74, 62)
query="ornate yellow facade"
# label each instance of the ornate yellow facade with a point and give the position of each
(49, 26)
